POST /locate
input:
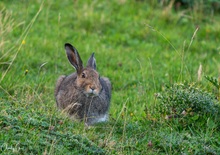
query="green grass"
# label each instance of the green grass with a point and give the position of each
(140, 45)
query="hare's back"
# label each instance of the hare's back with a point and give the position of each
(65, 90)
(65, 82)
(58, 84)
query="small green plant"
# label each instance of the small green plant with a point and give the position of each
(187, 102)
(34, 134)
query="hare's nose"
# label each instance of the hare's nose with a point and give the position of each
(92, 87)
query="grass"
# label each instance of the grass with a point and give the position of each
(141, 46)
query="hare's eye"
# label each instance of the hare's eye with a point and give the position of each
(83, 75)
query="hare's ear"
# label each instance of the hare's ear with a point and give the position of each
(91, 62)
(74, 57)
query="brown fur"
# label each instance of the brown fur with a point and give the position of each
(83, 94)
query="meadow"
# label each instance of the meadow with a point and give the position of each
(163, 65)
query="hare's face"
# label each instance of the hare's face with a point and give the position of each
(88, 80)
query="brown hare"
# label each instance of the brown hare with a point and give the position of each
(83, 94)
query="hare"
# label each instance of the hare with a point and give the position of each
(83, 94)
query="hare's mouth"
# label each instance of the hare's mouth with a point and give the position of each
(91, 93)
